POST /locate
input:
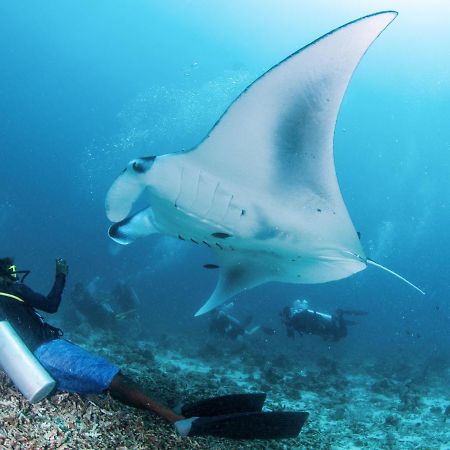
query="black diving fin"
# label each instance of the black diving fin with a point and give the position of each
(350, 322)
(246, 425)
(239, 416)
(226, 404)
(354, 312)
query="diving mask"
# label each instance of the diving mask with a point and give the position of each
(12, 273)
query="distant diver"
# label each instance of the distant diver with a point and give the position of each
(107, 310)
(55, 363)
(303, 320)
(223, 324)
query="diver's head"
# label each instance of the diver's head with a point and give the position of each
(8, 270)
(227, 307)
(299, 305)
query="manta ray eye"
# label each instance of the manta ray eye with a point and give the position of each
(141, 165)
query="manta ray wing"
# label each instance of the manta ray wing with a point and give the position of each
(277, 137)
(237, 273)
(281, 127)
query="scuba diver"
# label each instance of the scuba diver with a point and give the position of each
(222, 323)
(112, 311)
(299, 318)
(28, 341)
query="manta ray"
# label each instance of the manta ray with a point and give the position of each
(260, 191)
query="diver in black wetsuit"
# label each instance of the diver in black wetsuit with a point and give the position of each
(73, 368)
(299, 318)
(17, 303)
(223, 324)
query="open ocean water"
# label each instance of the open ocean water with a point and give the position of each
(87, 86)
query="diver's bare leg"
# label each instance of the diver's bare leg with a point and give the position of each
(126, 391)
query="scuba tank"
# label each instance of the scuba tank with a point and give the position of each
(324, 316)
(24, 369)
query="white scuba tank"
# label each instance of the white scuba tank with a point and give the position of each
(24, 369)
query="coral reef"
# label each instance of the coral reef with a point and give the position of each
(351, 405)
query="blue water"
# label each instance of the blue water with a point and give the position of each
(87, 86)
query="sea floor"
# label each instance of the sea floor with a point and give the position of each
(375, 404)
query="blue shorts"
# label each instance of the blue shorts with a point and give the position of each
(75, 369)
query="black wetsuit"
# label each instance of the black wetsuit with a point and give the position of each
(224, 325)
(22, 315)
(311, 322)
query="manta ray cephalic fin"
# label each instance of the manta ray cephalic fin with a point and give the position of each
(127, 188)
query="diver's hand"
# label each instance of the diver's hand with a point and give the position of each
(62, 267)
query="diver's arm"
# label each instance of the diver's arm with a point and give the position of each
(55, 295)
(49, 303)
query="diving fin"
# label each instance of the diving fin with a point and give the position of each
(350, 322)
(246, 425)
(226, 404)
(354, 312)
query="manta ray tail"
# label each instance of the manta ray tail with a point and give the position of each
(373, 263)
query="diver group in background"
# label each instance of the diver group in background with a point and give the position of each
(301, 319)
(298, 317)
(109, 310)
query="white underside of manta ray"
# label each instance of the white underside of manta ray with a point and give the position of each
(261, 189)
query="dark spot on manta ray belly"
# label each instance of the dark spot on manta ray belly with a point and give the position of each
(236, 274)
(210, 266)
(221, 235)
(319, 210)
